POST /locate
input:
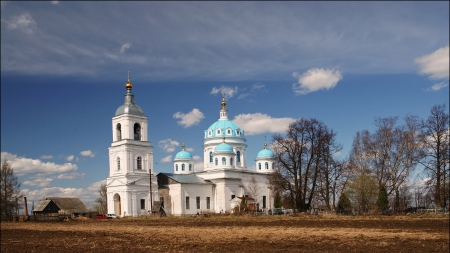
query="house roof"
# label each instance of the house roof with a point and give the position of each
(73, 205)
(186, 178)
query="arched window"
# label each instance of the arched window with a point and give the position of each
(229, 131)
(237, 132)
(217, 161)
(218, 131)
(119, 132)
(182, 167)
(273, 165)
(209, 133)
(176, 167)
(139, 163)
(231, 161)
(259, 166)
(238, 156)
(266, 165)
(210, 157)
(118, 163)
(137, 131)
(224, 161)
(190, 167)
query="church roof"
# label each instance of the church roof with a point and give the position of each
(129, 107)
(186, 178)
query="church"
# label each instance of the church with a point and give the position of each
(217, 186)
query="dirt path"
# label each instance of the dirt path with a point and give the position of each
(231, 234)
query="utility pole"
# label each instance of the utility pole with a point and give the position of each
(151, 199)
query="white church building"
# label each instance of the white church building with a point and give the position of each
(214, 187)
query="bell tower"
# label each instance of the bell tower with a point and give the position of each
(130, 187)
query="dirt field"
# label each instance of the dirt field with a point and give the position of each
(232, 234)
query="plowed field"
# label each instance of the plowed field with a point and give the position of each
(232, 234)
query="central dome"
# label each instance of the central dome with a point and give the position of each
(223, 148)
(224, 127)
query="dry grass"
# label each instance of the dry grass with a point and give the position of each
(303, 233)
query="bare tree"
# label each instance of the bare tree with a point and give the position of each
(102, 204)
(392, 152)
(435, 131)
(10, 192)
(299, 156)
(252, 188)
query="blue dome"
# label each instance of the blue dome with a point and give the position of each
(265, 153)
(183, 155)
(224, 148)
(226, 128)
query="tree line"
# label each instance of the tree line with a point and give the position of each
(375, 174)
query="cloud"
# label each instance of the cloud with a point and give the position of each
(87, 153)
(256, 88)
(438, 86)
(228, 92)
(46, 157)
(23, 22)
(192, 118)
(315, 79)
(41, 182)
(22, 165)
(70, 158)
(190, 150)
(166, 159)
(436, 64)
(168, 145)
(125, 47)
(72, 175)
(258, 123)
(55, 2)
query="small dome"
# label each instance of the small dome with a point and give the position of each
(183, 155)
(223, 148)
(129, 109)
(265, 153)
(223, 126)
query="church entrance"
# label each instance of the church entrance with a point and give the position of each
(117, 205)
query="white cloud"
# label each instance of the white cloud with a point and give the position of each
(258, 123)
(125, 47)
(190, 150)
(168, 145)
(166, 159)
(192, 118)
(41, 182)
(55, 2)
(228, 92)
(256, 88)
(22, 165)
(24, 22)
(438, 86)
(70, 158)
(46, 157)
(198, 162)
(436, 64)
(87, 153)
(315, 79)
(72, 175)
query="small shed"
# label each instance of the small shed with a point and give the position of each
(248, 200)
(55, 206)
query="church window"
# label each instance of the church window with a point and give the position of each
(238, 157)
(259, 166)
(266, 165)
(273, 165)
(119, 132)
(190, 167)
(137, 131)
(224, 161)
(187, 202)
(210, 157)
(182, 167)
(208, 203)
(264, 202)
(233, 196)
(142, 204)
(217, 162)
(229, 131)
(231, 161)
(198, 202)
(139, 163)
(118, 163)
(237, 132)
(176, 167)
(218, 131)
(209, 133)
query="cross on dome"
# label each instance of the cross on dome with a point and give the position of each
(129, 85)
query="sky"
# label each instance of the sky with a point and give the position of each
(64, 66)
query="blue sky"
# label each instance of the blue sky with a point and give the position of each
(64, 68)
